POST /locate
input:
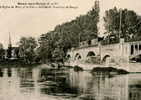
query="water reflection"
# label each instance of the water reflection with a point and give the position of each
(9, 72)
(1, 72)
(43, 84)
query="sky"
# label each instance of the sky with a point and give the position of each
(36, 21)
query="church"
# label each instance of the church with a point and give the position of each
(12, 52)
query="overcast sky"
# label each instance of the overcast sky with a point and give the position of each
(33, 22)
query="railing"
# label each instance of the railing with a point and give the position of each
(108, 42)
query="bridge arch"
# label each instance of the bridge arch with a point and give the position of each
(77, 56)
(105, 58)
(91, 54)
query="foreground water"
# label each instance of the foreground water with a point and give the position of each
(45, 84)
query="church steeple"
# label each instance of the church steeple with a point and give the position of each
(96, 5)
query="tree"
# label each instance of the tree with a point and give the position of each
(16, 51)
(111, 20)
(27, 48)
(129, 23)
(2, 52)
(55, 44)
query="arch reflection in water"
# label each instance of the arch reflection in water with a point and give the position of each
(6, 71)
(135, 87)
(1, 72)
(9, 72)
(100, 86)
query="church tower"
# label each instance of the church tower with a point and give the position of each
(96, 5)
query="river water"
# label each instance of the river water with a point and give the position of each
(45, 84)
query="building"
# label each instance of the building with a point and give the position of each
(12, 52)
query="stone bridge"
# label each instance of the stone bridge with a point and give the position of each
(119, 52)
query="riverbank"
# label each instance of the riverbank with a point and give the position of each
(16, 63)
(129, 67)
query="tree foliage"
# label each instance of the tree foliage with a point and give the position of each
(27, 48)
(2, 52)
(130, 23)
(54, 44)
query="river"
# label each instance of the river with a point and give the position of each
(45, 84)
